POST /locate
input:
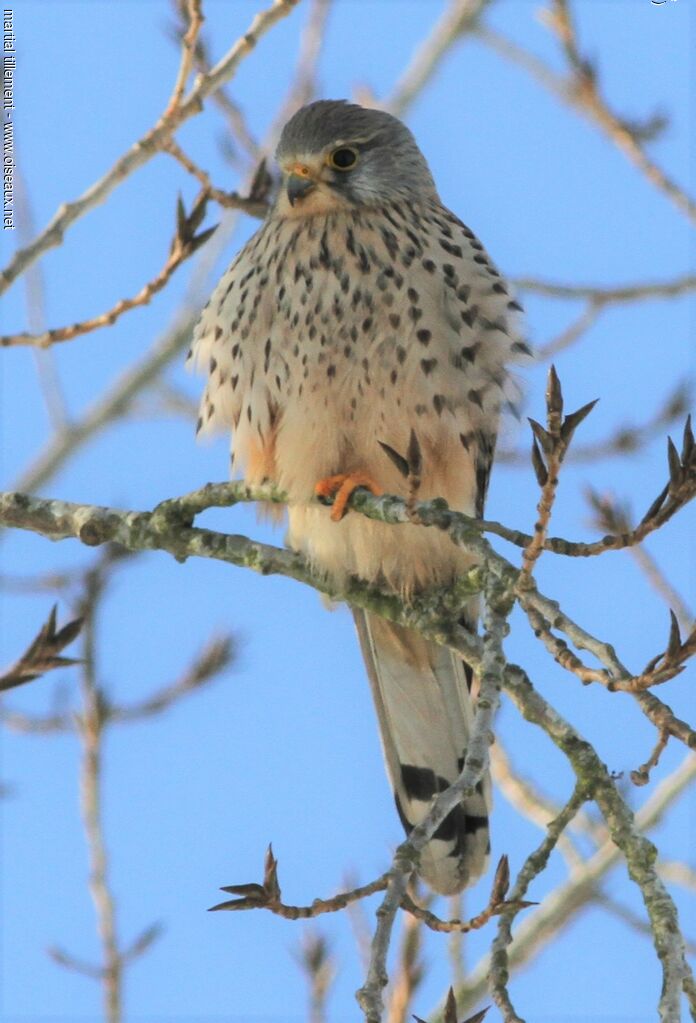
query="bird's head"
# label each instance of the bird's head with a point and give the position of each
(335, 154)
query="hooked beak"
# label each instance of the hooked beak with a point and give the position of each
(298, 187)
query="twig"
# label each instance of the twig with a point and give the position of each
(531, 803)
(580, 90)
(583, 87)
(608, 514)
(115, 402)
(35, 304)
(601, 294)
(90, 725)
(561, 905)
(43, 654)
(497, 904)
(625, 833)
(641, 776)
(231, 111)
(409, 969)
(183, 246)
(572, 333)
(319, 967)
(189, 40)
(625, 440)
(267, 895)
(146, 147)
(255, 204)
(533, 866)
(459, 18)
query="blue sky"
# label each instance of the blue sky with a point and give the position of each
(284, 747)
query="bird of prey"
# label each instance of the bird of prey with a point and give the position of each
(360, 312)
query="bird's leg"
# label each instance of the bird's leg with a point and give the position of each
(341, 487)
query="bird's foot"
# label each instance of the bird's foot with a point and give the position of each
(341, 487)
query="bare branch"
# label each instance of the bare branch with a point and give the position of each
(255, 204)
(150, 144)
(183, 246)
(189, 40)
(459, 18)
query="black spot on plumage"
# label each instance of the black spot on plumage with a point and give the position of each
(475, 397)
(248, 412)
(350, 241)
(428, 265)
(395, 320)
(331, 371)
(439, 403)
(389, 239)
(401, 355)
(234, 381)
(218, 333)
(467, 440)
(520, 346)
(497, 324)
(469, 315)
(420, 783)
(412, 295)
(499, 289)
(515, 306)
(415, 313)
(428, 365)
(480, 259)
(463, 293)
(483, 472)
(393, 376)
(424, 336)
(366, 324)
(470, 353)
(363, 261)
(213, 365)
(199, 424)
(454, 250)
(474, 823)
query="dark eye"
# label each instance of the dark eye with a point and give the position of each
(343, 158)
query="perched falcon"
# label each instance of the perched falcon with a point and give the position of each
(362, 310)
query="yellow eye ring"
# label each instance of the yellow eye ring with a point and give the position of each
(343, 159)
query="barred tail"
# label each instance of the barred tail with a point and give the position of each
(425, 714)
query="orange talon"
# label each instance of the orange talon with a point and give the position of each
(341, 487)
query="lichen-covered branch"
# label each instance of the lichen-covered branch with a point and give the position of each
(639, 853)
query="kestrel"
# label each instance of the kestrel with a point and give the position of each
(360, 311)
